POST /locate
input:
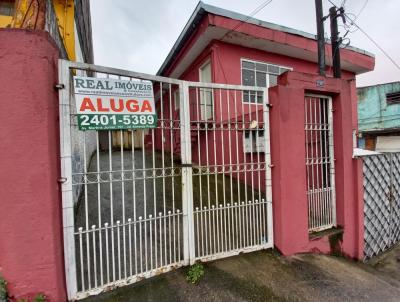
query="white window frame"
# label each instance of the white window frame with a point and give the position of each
(267, 85)
(176, 99)
(203, 116)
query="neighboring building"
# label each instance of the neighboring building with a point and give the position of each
(68, 23)
(34, 35)
(379, 117)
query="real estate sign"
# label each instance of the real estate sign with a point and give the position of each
(103, 103)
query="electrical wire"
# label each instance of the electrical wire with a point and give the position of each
(252, 14)
(375, 43)
(353, 23)
(361, 10)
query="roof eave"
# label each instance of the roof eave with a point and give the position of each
(202, 9)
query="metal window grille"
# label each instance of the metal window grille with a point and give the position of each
(393, 98)
(319, 163)
(259, 74)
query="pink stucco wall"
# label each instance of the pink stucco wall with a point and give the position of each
(289, 171)
(31, 253)
(288, 145)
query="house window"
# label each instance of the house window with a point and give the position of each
(206, 97)
(253, 141)
(259, 75)
(393, 98)
(7, 8)
(176, 99)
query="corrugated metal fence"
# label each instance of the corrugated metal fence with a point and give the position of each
(381, 202)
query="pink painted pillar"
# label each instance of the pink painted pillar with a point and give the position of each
(289, 171)
(31, 250)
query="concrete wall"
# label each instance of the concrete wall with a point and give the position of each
(31, 251)
(289, 171)
(373, 111)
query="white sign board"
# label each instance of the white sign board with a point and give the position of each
(110, 104)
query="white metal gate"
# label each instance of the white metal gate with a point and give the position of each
(320, 165)
(197, 188)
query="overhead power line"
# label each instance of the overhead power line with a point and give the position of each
(353, 23)
(252, 14)
(361, 10)
(375, 43)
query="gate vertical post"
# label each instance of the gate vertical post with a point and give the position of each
(332, 155)
(66, 179)
(268, 177)
(187, 181)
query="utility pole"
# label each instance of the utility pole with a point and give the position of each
(320, 37)
(335, 41)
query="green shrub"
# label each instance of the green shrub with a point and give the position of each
(3, 290)
(194, 273)
(40, 298)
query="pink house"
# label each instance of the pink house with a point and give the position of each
(221, 46)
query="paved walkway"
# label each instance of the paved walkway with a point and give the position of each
(267, 276)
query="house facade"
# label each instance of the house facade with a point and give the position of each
(221, 46)
(378, 117)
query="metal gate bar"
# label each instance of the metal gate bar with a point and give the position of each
(320, 163)
(231, 187)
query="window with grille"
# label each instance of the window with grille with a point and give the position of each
(206, 97)
(259, 75)
(393, 98)
(7, 8)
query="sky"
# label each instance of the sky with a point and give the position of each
(138, 35)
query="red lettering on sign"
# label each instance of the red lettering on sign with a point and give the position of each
(146, 106)
(132, 106)
(120, 107)
(100, 107)
(87, 105)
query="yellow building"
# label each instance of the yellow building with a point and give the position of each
(67, 21)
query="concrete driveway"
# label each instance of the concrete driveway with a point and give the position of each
(267, 276)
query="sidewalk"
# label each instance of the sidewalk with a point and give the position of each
(267, 276)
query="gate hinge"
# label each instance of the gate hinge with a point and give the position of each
(186, 165)
(59, 86)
